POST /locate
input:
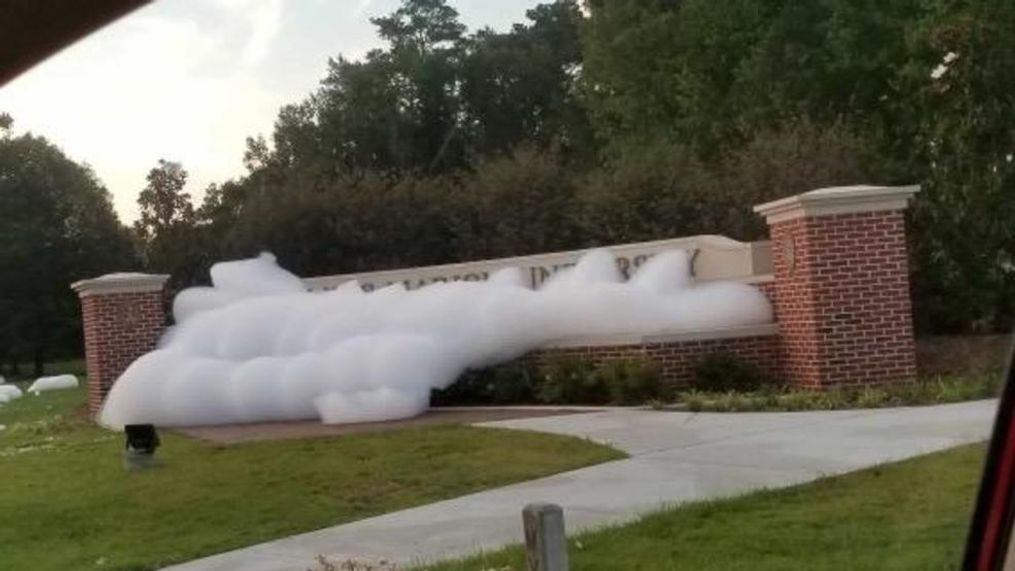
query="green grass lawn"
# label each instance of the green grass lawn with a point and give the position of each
(66, 503)
(912, 515)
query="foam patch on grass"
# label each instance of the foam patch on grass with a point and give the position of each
(9, 393)
(53, 383)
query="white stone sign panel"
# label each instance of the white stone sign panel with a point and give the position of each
(713, 258)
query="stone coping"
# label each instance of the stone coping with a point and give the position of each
(838, 200)
(667, 337)
(120, 283)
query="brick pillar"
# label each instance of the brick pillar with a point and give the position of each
(123, 318)
(841, 292)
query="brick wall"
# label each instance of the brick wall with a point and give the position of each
(118, 328)
(841, 299)
(840, 293)
(677, 360)
(767, 287)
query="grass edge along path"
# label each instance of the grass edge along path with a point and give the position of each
(66, 503)
(910, 515)
(922, 392)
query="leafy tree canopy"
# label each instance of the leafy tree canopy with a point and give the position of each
(58, 227)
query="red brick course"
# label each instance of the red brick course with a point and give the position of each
(118, 328)
(677, 360)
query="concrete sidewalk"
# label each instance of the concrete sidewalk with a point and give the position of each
(675, 457)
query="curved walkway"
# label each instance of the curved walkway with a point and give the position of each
(674, 457)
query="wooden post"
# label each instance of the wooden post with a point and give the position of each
(545, 540)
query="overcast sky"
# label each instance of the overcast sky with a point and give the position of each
(189, 81)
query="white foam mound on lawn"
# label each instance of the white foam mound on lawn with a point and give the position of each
(54, 383)
(257, 347)
(9, 393)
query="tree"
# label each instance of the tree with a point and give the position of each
(398, 108)
(664, 70)
(963, 241)
(58, 227)
(167, 228)
(436, 100)
(710, 74)
(643, 119)
(523, 203)
(519, 87)
(411, 121)
(163, 204)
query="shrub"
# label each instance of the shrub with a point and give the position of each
(794, 401)
(631, 381)
(513, 383)
(872, 397)
(769, 398)
(565, 380)
(696, 401)
(834, 399)
(923, 392)
(738, 402)
(571, 380)
(953, 389)
(720, 372)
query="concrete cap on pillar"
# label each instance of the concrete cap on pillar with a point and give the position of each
(838, 200)
(120, 283)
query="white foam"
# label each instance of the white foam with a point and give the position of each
(54, 383)
(235, 281)
(9, 392)
(256, 346)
